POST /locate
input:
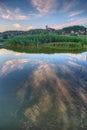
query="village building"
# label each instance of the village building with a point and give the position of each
(49, 30)
(1, 37)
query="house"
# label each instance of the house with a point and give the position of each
(1, 37)
(49, 30)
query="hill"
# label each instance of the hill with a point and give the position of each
(72, 30)
(75, 29)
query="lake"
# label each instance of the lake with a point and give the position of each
(43, 91)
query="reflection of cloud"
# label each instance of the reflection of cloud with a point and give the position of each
(83, 96)
(12, 65)
(45, 81)
(77, 57)
(45, 73)
(73, 64)
(41, 74)
(43, 105)
(3, 51)
(18, 54)
(52, 86)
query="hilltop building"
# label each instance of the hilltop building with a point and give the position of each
(49, 30)
(1, 37)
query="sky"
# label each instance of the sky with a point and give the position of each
(31, 14)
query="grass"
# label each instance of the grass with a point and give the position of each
(46, 43)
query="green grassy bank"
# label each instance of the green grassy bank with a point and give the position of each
(46, 43)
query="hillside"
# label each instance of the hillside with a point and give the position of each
(74, 28)
(68, 30)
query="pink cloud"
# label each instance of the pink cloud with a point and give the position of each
(11, 14)
(76, 13)
(16, 14)
(67, 5)
(17, 25)
(45, 6)
(29, 27)
(77, 22)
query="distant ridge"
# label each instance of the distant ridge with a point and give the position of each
(67, 30)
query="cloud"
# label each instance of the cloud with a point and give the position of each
(16, 25)
(21, 17)
(29, 28)
(77, 22)
(11, 14)
(71, 19)
(16, 14)
(76, 13)
(23, 27)
(67, 5)
(5, 16)
(44, 6)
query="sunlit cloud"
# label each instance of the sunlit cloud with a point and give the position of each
(38, 13)
(45, 6)
(72, 23)
(11, 14)
(71, 19)
(29, 28)
(16, 25)
(16, 14)
(22, 27)
(76, 13)
(68, 5)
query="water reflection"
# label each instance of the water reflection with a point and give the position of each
(43, 92)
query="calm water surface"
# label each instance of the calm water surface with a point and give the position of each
(43, 91)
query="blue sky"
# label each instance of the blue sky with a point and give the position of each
(30, 14)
